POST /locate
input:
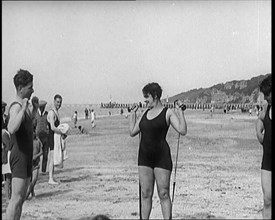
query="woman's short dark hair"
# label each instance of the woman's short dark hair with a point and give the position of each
(153, 89)
(22, 78)
(266, 85)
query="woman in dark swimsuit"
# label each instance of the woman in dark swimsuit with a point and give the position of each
(154, 159)
(263, 131)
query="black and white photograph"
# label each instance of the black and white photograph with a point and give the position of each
(136, 110)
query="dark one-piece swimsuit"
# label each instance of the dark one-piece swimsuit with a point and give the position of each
(22, 150)
(154, 150)
(267, 156)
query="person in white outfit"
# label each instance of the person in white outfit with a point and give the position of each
(60, 153)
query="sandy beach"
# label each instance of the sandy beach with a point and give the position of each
(218, 174)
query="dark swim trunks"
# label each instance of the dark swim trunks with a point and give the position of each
(154, 150)
(22, 149)
(267, 156)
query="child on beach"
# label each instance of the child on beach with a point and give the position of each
(6, 170)
(37, 152)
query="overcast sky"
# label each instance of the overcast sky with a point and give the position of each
(89, 51)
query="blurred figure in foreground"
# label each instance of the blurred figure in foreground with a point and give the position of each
(101, 217)
(263, 132)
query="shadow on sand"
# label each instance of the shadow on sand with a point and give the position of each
(200, 215)
(74, 179)
(38, 196)
(95, 217)
(45, 178)
(61, 170)
(52, 193)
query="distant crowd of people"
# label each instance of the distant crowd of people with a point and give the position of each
(86, 112)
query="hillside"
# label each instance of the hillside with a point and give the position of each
(242, 91)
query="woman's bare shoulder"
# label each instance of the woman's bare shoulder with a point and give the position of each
(170, 111)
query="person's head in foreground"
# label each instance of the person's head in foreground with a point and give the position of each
(265, 87)
(152, 93)
(101, 217)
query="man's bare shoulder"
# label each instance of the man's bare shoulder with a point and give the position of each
(50, 115)
(15, 106)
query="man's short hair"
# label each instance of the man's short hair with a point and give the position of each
(22, 78)
(57, 96)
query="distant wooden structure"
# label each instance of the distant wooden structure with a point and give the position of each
(194, 106)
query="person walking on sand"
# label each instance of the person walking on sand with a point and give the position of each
(263, 132)
(42, 132)
(93, 118)
(37, 152)
(211, 111)
(86, 112)
(75, 119)
(154, 157)
(20, 127)
(54, 121)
